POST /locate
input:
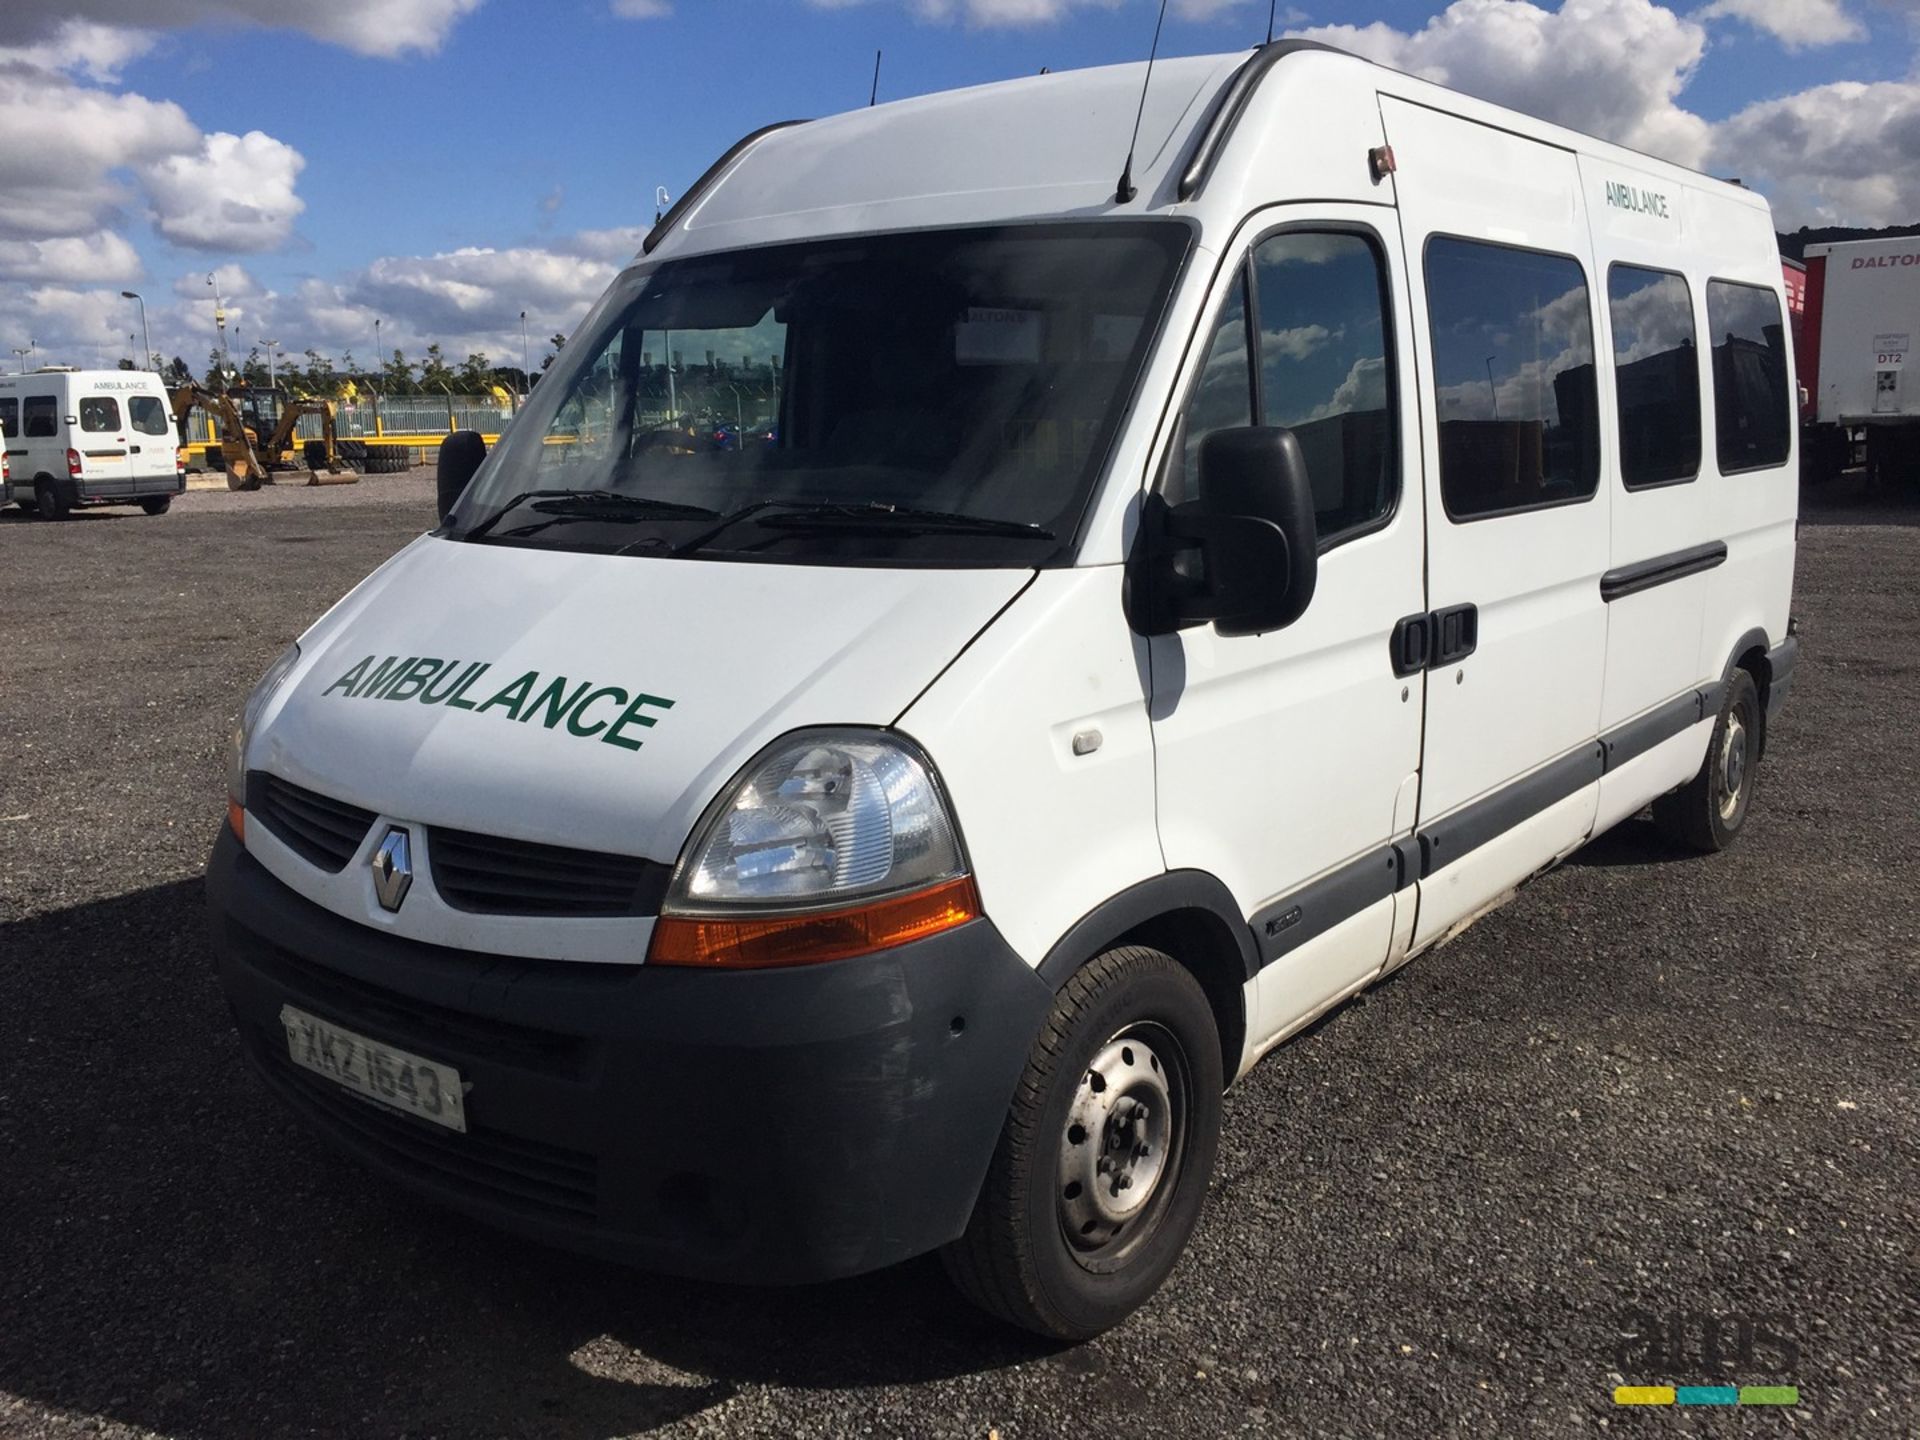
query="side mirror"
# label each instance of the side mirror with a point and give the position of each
(460, 455)
(1243, 554)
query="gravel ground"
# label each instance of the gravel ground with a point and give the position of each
(1656, 1083)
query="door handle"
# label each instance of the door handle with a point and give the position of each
(1439, 637)
(1412, 642)
(1456, 633)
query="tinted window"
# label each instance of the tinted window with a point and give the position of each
(42, 417)
(149, 416)
(1516, 399)
(10, 418)
(1656, 367)
(99, 414)
(1752, 418)
(981, 373)
(1324, 372)
(1223, 398)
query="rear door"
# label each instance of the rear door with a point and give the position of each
(100, 435)
(1285, 762)
(1517, 534)
(151, 441)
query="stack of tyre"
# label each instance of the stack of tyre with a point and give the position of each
(385, 459)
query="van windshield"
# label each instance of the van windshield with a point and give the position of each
(938, 398)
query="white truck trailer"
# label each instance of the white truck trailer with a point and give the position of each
(1862, 318)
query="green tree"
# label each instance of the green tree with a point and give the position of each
(435, 377)
(319, 377)
(396, 376)
(558, 343)
(475, 375)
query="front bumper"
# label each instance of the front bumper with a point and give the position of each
(773, 1126)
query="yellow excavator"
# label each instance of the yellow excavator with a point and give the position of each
(242, 417)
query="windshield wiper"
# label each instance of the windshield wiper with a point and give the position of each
(827, 516)
(566, 505)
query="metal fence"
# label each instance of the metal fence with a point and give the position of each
(370, 418)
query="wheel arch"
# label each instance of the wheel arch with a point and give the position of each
(1191, 916)
(1749, 653)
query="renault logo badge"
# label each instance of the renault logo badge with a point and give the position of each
(393, 869)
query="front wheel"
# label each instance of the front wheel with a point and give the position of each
(1707, 812)
(1103, 1162)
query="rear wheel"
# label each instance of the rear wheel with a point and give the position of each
(1103, 1162)
(157, 504)
(1707, 812)
(48, 500)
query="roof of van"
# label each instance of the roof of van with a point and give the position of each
(1053, 146)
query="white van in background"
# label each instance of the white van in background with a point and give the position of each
(89, 437)
(1157, 608)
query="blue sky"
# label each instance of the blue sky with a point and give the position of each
(445, 163)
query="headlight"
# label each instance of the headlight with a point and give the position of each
(832, 843)
(243, 732)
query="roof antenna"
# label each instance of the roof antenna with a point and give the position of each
(874, 98)
(1127, 191)
(1272, 7)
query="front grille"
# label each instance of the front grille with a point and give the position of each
(322, 831)
(489, 875)
(547, 1182)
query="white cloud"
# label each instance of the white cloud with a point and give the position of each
(102, 258)
(1845, 153)
(62, 144)
(1297, 343)
(237, 193)
(81, 47)
(1796, 24)
(1613, 68)
(371, 27)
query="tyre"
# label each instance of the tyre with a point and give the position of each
(157, 504)
(48, 500)
(353, 453)
(387, 459)
(1102, 1164)
(315, 454)
(1707, 812)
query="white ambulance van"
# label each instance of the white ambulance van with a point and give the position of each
(1146, 614)
(89, 437)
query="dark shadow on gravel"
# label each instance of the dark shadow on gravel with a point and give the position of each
(177, 1254)
(1632, 842)
(1853, 499)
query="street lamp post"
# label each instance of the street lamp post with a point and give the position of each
(22, 354)
(220, 323)
(146, 356)
(271, 345)
(526, 359)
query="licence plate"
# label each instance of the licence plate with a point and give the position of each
(378, 1072)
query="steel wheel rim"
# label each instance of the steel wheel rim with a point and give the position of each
(1122, 1144)
(1731, 772)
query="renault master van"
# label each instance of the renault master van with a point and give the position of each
(89, 437)
(1160, 608)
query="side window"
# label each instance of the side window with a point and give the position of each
(42, 417)
(1223, 399)
(1752, 417)
(1516, 398)
(1324, 371)
(10, 418)
(149, 415)
(99, 414)
(1656, 369)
